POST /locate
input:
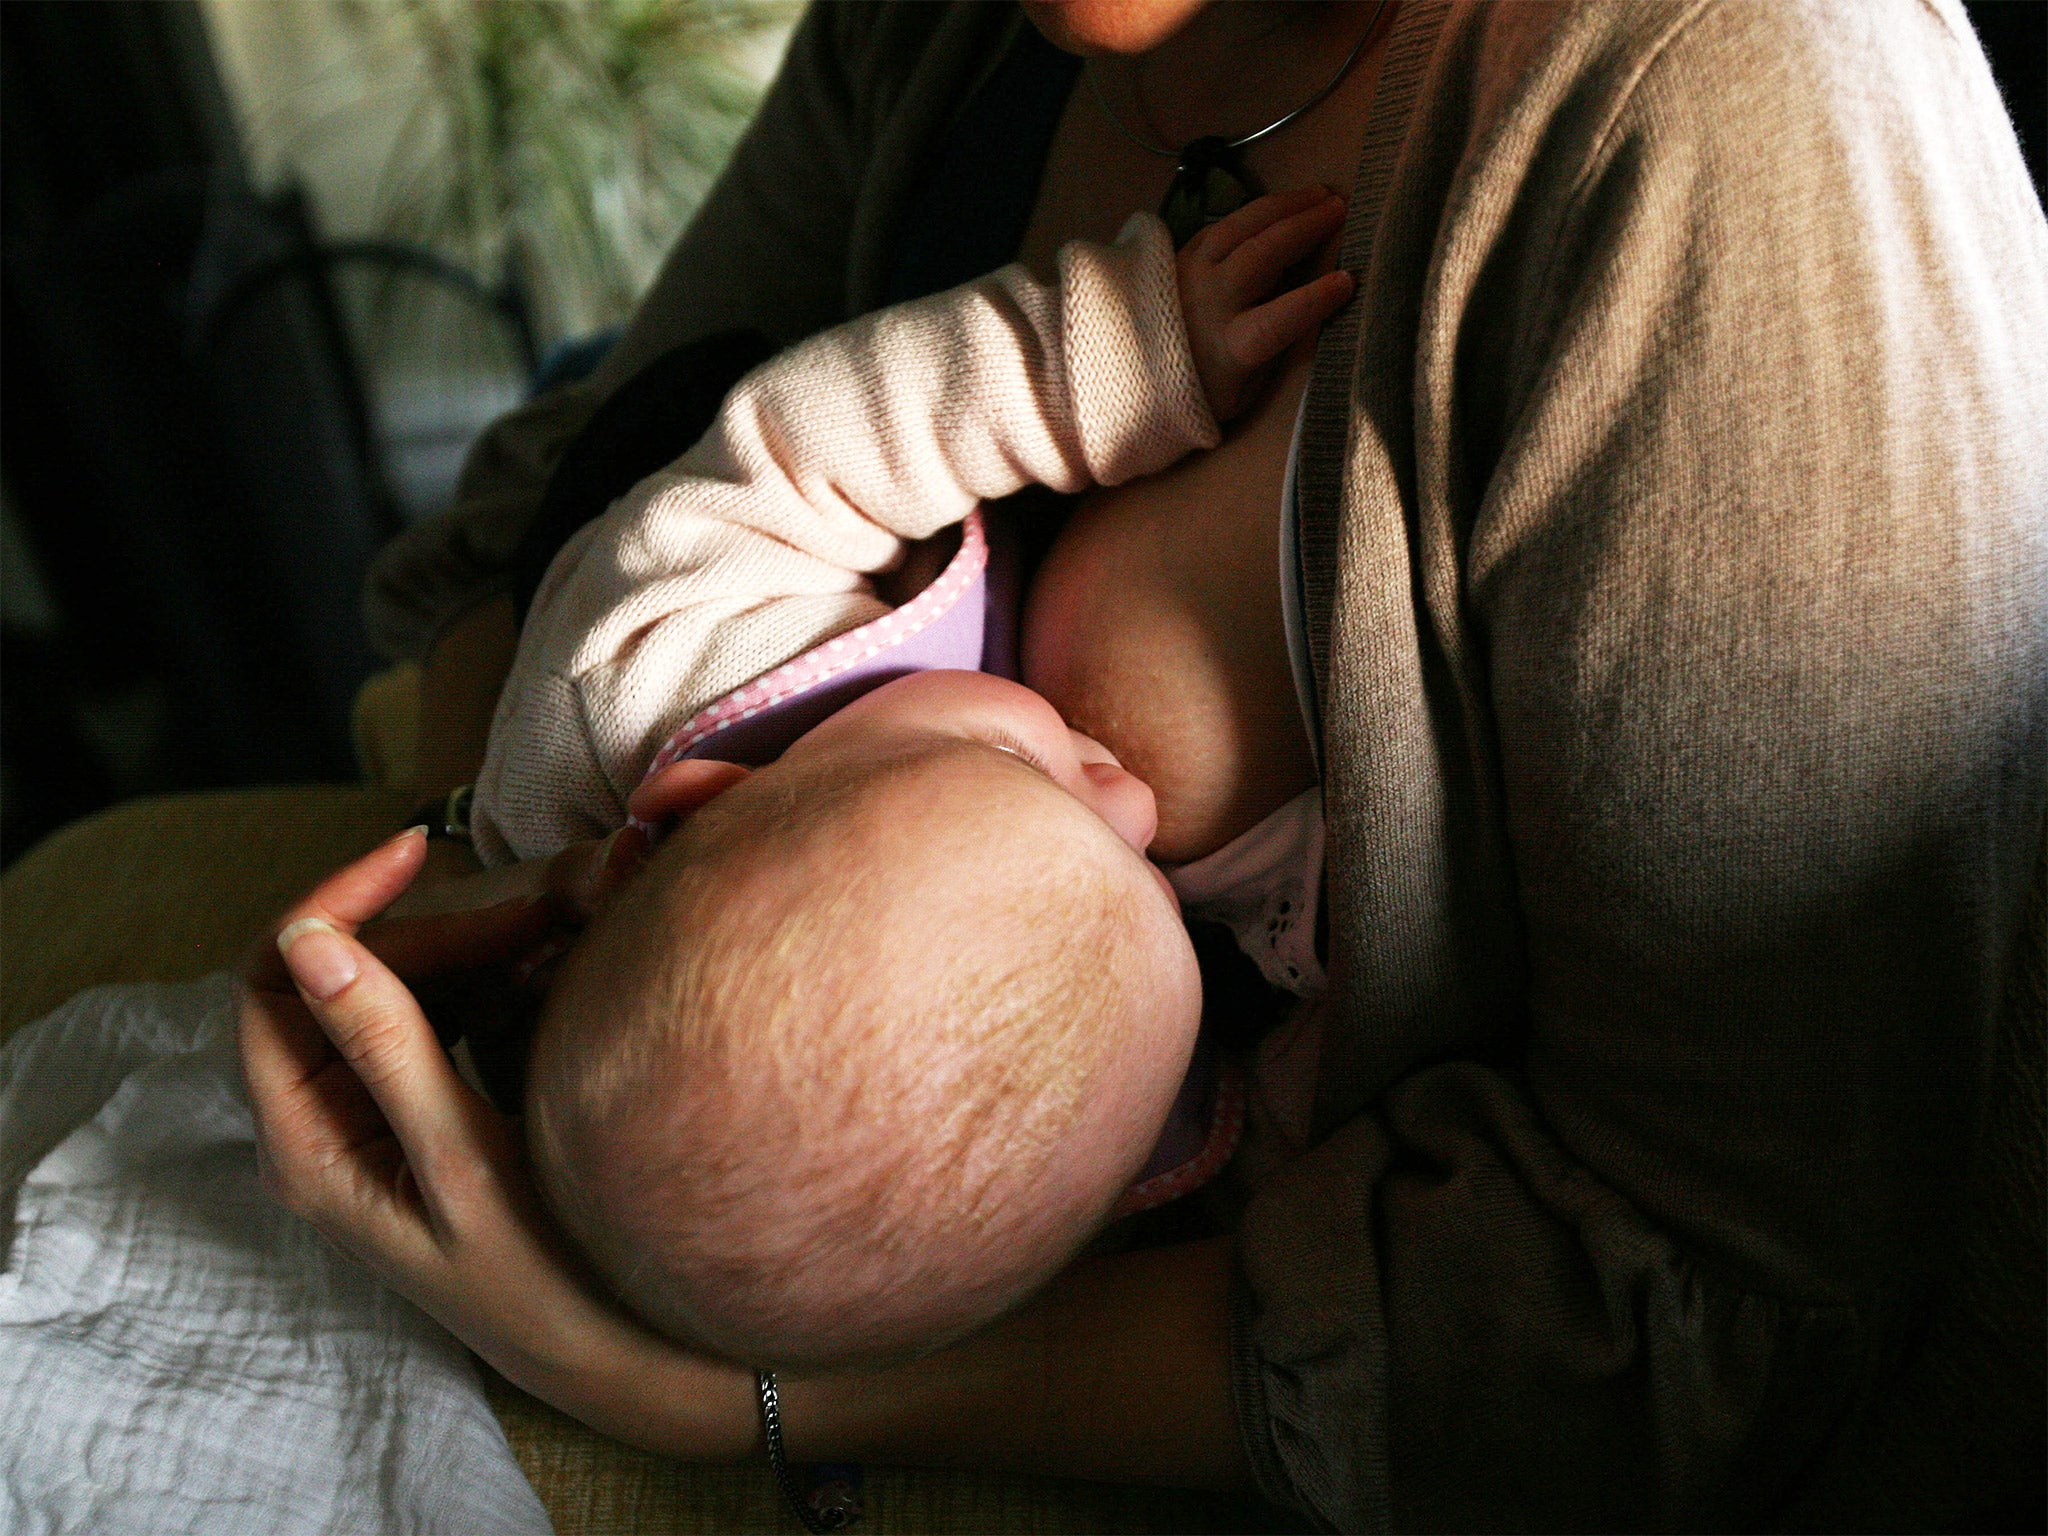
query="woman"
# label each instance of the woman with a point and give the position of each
(1676, 603)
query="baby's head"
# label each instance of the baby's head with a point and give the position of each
(878, 1037)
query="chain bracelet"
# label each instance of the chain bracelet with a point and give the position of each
(778, 1459)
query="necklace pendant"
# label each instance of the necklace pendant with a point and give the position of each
(1212, 181)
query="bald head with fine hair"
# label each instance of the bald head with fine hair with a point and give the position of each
(863, 1057)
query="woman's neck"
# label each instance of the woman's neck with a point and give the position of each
(1233, 68)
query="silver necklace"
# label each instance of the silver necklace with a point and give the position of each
(1211, 178)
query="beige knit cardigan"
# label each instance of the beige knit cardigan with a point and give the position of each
(1676, 532)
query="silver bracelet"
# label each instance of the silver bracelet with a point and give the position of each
(835, 1512)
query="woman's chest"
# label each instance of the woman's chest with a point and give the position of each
(1155, 625)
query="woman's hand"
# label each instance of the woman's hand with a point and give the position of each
(364, 1129)
(499, 1001)
(572, 884)
(1119, 1370)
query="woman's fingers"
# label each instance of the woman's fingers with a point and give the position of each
(466, 892)
(323, 1150)
(357, 892)
(1259, 335)
(491, 919)
(425, 946)
(349, 897)
(377, 1027)
(500, 916)
(283, 1052)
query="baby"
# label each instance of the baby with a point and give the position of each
(887, 1028)
(879, 1037)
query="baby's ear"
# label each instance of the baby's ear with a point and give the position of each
(683, 788)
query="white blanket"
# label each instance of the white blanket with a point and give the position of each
(176, 1352)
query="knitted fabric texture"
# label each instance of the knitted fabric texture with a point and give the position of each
(760, 543)
(1673, 563)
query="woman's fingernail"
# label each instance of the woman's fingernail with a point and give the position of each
(317, 958)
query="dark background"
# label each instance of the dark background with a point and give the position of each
(191, 480)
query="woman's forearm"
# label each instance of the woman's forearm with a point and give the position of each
(1118, 1372)
(458, 693)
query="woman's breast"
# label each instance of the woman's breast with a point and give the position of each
(1155, 626)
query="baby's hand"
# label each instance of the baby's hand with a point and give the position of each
(1228, 277)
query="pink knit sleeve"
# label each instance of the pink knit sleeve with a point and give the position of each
(761, 542)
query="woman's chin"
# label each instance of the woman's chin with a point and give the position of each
(1089, 27)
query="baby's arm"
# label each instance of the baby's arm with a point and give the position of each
(762, 540)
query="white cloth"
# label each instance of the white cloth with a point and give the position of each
(179, 1354)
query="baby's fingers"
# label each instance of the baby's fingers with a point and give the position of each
(1259, 265)
(1259, 335)
(1220, 240)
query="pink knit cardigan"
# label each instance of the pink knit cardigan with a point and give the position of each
(759, 545)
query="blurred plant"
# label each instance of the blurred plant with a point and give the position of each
(563, 141)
